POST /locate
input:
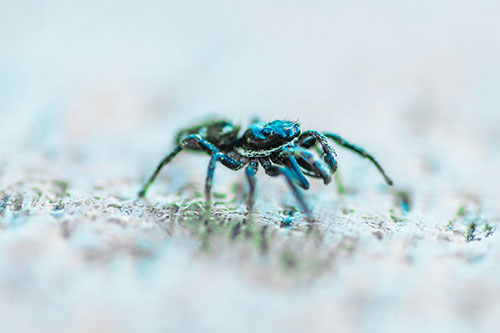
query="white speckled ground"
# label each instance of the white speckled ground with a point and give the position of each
(91, 97)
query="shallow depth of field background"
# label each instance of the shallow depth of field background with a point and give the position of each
(91, 94)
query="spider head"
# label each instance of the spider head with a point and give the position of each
(264, 137)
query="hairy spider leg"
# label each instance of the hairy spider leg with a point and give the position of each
(274, 171)
(228, 162)
(330, 154)
(164, 162)
(308, 161)
(250, 172)
(339, 140)
(190, 139)
(287, 158)
(308, 142)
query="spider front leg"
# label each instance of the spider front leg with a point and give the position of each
(192, 140)
(360, 151)
(287, 157)
(309, 138)
(309, 162)
(291, 178)
(228, 162)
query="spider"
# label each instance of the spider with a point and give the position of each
(278, 146)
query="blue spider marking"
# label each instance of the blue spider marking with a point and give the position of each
(281, 128)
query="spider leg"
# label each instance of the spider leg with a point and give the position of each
(193, 140)
(308, 142)
(330, 154)
(291, 178)
(339, 140)
(287, 158)
(228, 162)
(308, 161)
(164, 162)
(250, 171)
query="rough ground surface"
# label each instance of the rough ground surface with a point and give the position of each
(91, 94)
(81, 252)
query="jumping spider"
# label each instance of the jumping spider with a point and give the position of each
(279, 146)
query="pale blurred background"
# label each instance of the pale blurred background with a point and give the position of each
(92, 93)
(426, 72)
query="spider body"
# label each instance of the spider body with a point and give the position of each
(262, 139)
(220, 133)
(278, 146)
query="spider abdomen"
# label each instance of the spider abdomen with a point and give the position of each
(220, 133)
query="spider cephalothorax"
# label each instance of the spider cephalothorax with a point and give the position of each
(278, 146)
(261, 139)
